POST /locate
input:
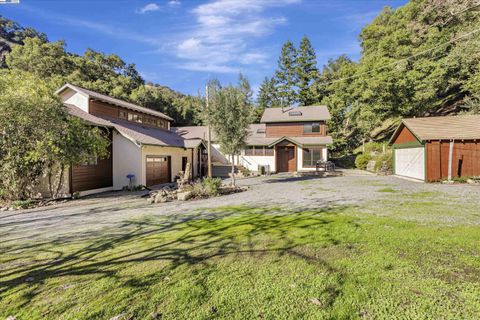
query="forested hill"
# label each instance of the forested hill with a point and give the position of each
(25, 49)
(421, 59)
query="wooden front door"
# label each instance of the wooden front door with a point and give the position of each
(158, 170)
(286, 159)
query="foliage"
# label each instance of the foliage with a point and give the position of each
(307, 73)
(286, 75)
(105, 73)
(38, 137)
(362, 160)
(384, 162)
(229, 114)
(206, 188)
(267, 94)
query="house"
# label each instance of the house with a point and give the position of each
(436, 148)
(143, 148)
(286, 140)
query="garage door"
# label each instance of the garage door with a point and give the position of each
(410, 162)
(158, 170)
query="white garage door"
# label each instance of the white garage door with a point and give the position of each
(410, 162)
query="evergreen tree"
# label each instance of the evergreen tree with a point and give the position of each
(286, 75)
(307, 73)
(267, 94)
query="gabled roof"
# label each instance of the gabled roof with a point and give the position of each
(304, 141)
(464, 127)
(136, 132)
(298, 114)
(98, 96)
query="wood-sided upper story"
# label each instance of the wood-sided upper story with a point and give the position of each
(107, 107)
(307, 121)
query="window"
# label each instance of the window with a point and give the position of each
(135, 117)
(92, 161)
(311, 156)
(249, 151)
(311, 127)
(269, 151)
(123, 114)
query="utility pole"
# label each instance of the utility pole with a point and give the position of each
(209, 140)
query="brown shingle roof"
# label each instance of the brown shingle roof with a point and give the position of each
(298, 114)
(464, 127)
(114, 101)
(136, 132)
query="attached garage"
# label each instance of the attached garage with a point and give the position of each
(437, 148)
(158, 170)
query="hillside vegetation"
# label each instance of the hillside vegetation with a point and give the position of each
(27, 50)
(421, 59)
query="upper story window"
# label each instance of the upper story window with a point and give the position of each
(145, 119)
(311, 127)
(135, 117)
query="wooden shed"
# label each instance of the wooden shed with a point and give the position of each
(437, 148)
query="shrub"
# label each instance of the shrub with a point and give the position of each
(384, 162)
(362, 160)
(208, 187)
(212, 186)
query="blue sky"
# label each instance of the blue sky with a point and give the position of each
(182, 44)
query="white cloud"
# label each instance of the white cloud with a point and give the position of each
(174, 3)
(224, 32)
(148, 8)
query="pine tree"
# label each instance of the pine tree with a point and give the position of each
(307, 73)
(285, 75)
(267, 94)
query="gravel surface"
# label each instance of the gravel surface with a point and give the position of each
(91, 215)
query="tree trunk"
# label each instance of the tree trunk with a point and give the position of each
(233, 173)
(60, 181)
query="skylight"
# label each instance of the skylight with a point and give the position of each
(295, 113)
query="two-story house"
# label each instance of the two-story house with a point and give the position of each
(143, 149)
(286, 140)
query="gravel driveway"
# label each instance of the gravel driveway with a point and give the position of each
(111, 210)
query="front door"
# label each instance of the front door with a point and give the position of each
(158, 170)
(286, 160)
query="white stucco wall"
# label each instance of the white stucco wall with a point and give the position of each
(300, 166)
(42, 189)
(252, 162)
(127, 159)
(75, 98)
(176, 155)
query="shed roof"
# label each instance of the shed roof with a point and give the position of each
(297, 114)
(111, 100)
(464, 127)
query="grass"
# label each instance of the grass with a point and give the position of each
(387, 190)
(252, 263)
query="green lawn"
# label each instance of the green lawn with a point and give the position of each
(256, 263)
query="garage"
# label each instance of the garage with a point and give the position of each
(410, 162)
(158, 170)
(437, 148)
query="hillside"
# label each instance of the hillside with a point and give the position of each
(25, 49)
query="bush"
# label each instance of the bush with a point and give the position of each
(212, 186)
(208, 187)
(384, 162)
(362, 160)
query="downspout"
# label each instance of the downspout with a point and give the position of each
(450, 159)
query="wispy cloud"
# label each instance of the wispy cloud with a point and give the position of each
(221, 39)
(148, 8)
(174, 3)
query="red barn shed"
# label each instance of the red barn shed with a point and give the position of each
(436, 148)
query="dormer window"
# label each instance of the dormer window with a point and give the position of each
(311, 127)
(260, 130)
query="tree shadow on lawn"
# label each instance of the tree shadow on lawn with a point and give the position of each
(197, 239)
